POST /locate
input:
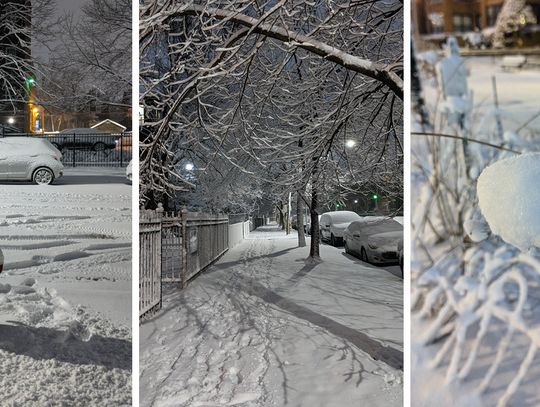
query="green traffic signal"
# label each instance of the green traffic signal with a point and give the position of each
(375, 196)
(29, 82)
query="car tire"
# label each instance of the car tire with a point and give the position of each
(43, 176)
(346, 247)
(363, 256)
(99, 146)
(332, 240)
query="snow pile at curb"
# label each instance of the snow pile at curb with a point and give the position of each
(510, 202)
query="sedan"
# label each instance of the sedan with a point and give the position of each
(29, 159)
(374, 239)
(333, 224)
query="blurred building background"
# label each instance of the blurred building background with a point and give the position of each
(473, 22)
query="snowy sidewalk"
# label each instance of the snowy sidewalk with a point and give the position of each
(263, 327)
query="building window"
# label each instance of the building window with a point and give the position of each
(462, 23)
(437, 22)
(467, 23)
(492, 13)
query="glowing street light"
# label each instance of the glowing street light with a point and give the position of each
(11, 120)
(350, 143)
(356, 201)
(189, 167)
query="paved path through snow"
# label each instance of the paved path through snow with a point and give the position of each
(263, 327)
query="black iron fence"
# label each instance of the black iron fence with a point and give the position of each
(89, 149)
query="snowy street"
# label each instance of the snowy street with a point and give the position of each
(65, 293)
(263, 327)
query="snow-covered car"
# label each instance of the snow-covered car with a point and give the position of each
(374, 239)
(333, 224)
(129, 171)
(400, 254)
(84, 139)
(29, 159)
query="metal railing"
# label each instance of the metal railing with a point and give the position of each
(89, 149)
(150, 237)
(188, 243)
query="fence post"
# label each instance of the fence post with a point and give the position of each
(73, 150)
(121, 150)
(185, 246)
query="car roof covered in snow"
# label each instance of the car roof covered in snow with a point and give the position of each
(342, 216)
(30, 146)
(384, 222)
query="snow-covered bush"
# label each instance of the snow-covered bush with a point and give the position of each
(473, 294)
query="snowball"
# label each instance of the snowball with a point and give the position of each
(509, 198)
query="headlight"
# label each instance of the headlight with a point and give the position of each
(372, 246)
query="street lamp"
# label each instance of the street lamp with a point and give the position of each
(189, 167)
(350, 143)
(11, 120)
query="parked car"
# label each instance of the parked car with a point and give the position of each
(400, 254)
(30, 159)
(374, 239)
(129, 171)
(83, 139)
(333, 224)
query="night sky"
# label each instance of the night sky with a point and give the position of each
(62, 7)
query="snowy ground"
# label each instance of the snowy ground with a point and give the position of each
(65, 293)
(264, 328)
(517, 92)
(518, 100)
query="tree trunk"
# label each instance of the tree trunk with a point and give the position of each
(300, 220)
(314, 247)
(281, 217)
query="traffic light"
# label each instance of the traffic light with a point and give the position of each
(374, 197)
(29, 83)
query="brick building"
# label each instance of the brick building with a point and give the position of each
(455, 16)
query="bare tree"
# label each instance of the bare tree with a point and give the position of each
(295, 95)
(22, 22)
(92, 58)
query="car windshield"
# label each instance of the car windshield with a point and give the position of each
(387, 225)
(342, 217)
